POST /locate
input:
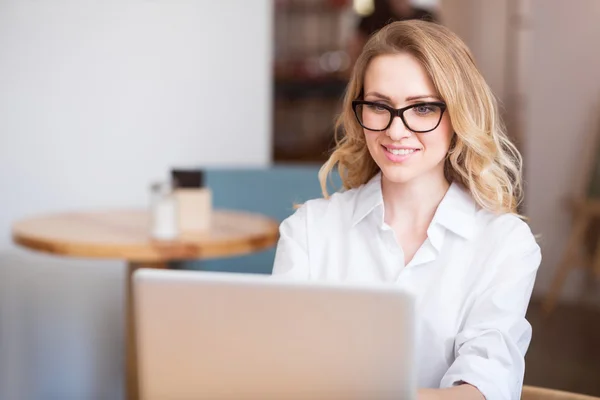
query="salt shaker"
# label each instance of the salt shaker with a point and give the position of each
(164, 212)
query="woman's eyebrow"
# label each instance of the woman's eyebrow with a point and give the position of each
(379, 95)
(409, 98)
(421, 97)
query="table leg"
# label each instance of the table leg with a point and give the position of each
(131, 376)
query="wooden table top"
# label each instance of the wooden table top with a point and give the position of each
(538, 393)
(125, 235)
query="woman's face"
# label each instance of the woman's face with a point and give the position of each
(398, 81)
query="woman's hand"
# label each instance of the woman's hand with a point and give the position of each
(461, 392)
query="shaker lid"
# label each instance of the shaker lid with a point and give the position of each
(187, 178)
(161, 187)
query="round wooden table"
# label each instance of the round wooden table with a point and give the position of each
(125, 235)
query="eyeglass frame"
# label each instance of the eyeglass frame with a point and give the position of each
(398, 112)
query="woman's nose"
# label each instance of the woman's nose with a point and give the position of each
(397, 130)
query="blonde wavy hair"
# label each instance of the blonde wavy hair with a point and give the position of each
(481, 157)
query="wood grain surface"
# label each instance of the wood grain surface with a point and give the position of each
(125, 235)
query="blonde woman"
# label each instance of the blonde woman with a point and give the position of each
(431, 189)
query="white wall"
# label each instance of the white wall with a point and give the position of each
(97, 99)
(482, 26)
(563, 105)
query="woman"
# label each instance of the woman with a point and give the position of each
(432, 186)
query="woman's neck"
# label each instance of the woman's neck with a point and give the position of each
(413, 203)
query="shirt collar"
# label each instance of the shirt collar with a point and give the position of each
(456, 211)
(368, 198)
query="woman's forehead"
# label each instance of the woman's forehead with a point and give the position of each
(398, 77)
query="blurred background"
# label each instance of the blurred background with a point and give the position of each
(98, 99)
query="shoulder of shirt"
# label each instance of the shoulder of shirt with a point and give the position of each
(507, 230)
(345, 198)
(340, 203)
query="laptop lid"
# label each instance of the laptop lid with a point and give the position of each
(234, 336)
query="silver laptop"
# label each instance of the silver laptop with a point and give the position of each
(204, 335)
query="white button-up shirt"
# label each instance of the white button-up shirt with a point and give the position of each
(472, 279)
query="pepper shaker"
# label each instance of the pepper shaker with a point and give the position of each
(194, 201)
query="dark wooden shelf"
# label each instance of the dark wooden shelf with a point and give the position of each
(303, 88)
(306, 7)
(307, 95)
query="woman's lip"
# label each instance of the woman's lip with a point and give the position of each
(401, 147)
(399, 158)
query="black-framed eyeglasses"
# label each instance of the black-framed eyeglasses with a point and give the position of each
(418, 118)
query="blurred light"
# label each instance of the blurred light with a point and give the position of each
(334, 61)
(313, 66)
(364, 7)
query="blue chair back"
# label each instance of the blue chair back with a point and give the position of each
(270, 191)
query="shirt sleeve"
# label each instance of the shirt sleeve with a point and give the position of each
(490, 348)
(291, 256)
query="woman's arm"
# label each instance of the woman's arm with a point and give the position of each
(291, 256)
(491, 345)
(461, 392)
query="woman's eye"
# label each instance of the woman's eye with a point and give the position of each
(423, 109)
(376, 107)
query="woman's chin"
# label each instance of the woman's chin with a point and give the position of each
(397, 173)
